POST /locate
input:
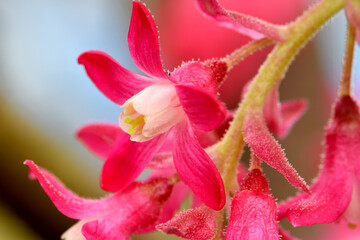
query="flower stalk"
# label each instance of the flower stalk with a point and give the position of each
(345, 84)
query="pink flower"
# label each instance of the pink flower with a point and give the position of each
(253, 211)
(136, 209)
(336, 191)
(183, 100)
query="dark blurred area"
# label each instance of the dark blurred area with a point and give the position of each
(45, 96)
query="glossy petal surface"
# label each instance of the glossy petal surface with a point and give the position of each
(196, 169)
(66, 201)
(113, 80)
(126, 161)
(143, 41)
(247, 25)
(203, 109)
(99, 138)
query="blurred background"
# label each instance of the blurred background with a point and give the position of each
(45, 96)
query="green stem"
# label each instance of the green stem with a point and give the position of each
(345, 85)
(274, 69)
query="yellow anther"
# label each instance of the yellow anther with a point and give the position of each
(134, 123)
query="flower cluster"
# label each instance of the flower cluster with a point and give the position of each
(174, 124)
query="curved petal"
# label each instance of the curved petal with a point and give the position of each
(266, 147)
(244, 24)
(253, 211)
(68, 203)
(126, 161)
(208, 74)
(99, 138)
(196, 169)
(291, 111)
(143, 41)
(140, 211)
(113, 80)
(203, 109)
(253, 216)
(333, 189)
(195, 224)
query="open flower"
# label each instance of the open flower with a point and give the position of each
(182, 100)
(336, 191)
(136, 209)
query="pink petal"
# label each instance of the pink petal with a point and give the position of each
(67, 202)
(280, 117)
(291, 112)
(140, 211)
(113, 80)
(207, 75)
(253, 211)
(203, 109)
(330, 199)
(126, 161)
(143, 41)
(196, 169)
(194, 224)
(100, 137)
(266, 148)
(247, 25)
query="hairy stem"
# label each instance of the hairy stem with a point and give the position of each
(274, 69)
(345, 85)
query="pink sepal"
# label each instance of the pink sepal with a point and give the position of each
(68, 203)
(113, 80)
(253, 211)
(127, 160)
(143, 41)
(267, 148)
(280, 117)
(244, 24)
(330, 199)
(99, 138)
(194, 224)
(207, 75)
(139, 211)
(196, 169)
(203, 109)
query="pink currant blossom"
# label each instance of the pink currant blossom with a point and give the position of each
(336, 191)
(352, 10)
(253, 211)
(182, 100)
(136, 209)
(245, 24)
(266, 148)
